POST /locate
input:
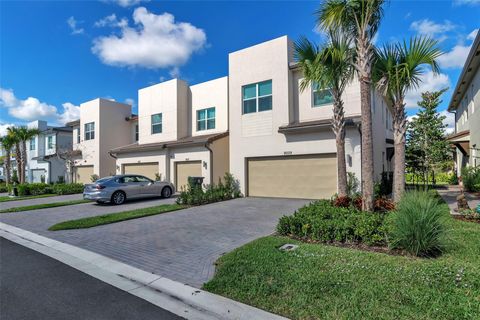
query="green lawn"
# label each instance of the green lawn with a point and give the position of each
(7, 198)
(44, 206)
(325, 282)
(114, 217)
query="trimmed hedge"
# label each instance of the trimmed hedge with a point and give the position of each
(324, 222)
(34, 189)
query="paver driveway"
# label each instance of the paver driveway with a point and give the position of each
(181, 245)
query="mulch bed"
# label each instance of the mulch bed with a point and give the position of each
(462, 218)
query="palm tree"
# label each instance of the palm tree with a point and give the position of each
(398, 69)
(359, 19)
(330, 66)
(14, 135)
(7, 143)
(24, 135)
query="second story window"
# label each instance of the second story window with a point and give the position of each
(32, 144)
(257, 97)
(206, 119)
(90, 131)
(136, 132)
(321, 96)
(78, 135)
(156, 123)
(50, 143)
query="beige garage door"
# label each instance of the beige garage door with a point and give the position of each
(304, 177)
(83, 174)
(183, 170)
(145, 169)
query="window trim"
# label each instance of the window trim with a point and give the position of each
(50, 144)
(317, 90)
(78, 135)
(136, 132)
(257, 96)
(89, 133)
(157, 123)
(33, 142)
(207, 119)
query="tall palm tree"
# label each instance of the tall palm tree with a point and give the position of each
(14, 135)
(330, 66)
(398, 68)
(359, 19)
(7, 143)
(24, 135)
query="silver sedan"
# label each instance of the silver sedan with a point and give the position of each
(117, 189)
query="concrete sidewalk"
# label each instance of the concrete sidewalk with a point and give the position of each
(180, 299)
(31, 202)
(449, 195)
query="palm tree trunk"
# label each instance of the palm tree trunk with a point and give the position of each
(18, 157)
(399, 128)
(24, 160)
(8, 167)
(367, 145)
(338, 125)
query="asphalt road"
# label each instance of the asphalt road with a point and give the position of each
(34, 286)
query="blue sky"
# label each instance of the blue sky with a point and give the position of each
(55, 55)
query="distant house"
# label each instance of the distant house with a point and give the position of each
(44, 161)
(465, 104)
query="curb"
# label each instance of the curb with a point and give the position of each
(178, 298)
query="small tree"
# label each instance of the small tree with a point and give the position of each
(427, 147)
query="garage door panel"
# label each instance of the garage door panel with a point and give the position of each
(183, 170)
(145, 169)
(83, 174)
(305, 177)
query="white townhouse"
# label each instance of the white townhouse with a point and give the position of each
(281, 139)
(465, 104)
(44, 153)
(182, 131)
(255, 123)
(103, 125)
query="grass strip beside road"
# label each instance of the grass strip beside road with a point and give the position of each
(94, 221)
(44, 206)
(7, 198)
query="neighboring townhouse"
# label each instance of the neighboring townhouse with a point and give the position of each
(103, 125)
(465, 104)
(281, 139)
(45, 161)
(181, 131)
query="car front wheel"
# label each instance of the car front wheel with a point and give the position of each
(118, 197)
(166, 192)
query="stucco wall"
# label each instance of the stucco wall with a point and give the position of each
(221, 158)
(209, 94)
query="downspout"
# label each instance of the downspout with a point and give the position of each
(114, 157)
(211, 161)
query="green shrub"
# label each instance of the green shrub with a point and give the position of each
(23, 189)
(324, 222)
(69, 188)
(419, 224)
(39, 188)
(195, 195)
(471, 178)
(3, 187)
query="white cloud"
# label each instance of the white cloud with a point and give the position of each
(174, 72)
(449, 121)
(130, 101)
(72, 23)
(71, 112)
(472, 35)
(429, 28)
(33, 109)
(430, 82)
(125, 3)
(111, 21)
(3, 128)
(156, 41)
(454, 58)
